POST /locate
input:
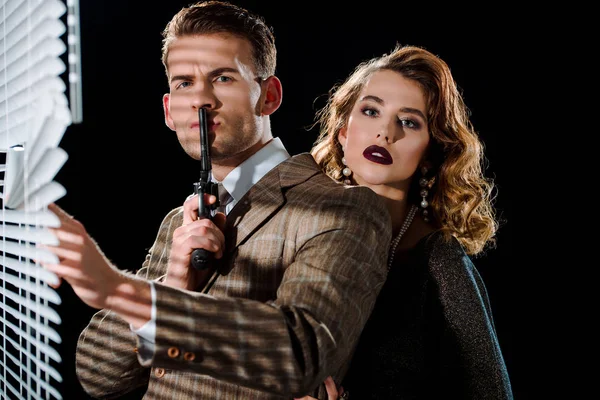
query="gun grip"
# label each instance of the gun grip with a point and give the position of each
(200, 258)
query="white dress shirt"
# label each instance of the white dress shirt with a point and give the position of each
(237, 183)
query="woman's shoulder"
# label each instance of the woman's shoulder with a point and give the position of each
(440, 241)
(443, 254)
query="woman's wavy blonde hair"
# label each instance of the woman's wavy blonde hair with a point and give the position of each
(461, 202)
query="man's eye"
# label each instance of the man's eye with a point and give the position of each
(223, 78)
(183, 85)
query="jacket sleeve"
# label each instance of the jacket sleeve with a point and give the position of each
(106, 361)
(470, 343)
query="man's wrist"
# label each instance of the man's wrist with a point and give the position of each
(130, 299)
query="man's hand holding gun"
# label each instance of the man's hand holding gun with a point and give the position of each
(201, 232)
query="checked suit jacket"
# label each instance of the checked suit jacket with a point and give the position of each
(305, 260)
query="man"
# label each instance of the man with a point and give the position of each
(300, 262)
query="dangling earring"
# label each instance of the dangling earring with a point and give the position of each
(425, 184)
(346, 171)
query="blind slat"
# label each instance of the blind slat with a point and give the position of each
(43, 131)
(34, 115)
(44, 87)
(43, 310)
(28, 252)
(22, 383)
(17, 80)
(29, 234)
(42, 292)
(30, 13)
(33, 46)
(43, 330)
(39, 362)
(41, 198)
(40, 218)
(37, 175)
(29, 269)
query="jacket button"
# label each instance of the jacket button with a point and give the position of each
(189, 356)
(159, 372)
(173, 352)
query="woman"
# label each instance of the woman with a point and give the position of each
(399, 125)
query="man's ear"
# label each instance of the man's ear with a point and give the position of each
(168, 119)
(272, 95)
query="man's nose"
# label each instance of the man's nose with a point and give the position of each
(204, 97)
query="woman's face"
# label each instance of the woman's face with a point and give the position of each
(387, 135)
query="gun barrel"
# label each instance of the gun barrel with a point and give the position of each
(201, 257)
(204, 145)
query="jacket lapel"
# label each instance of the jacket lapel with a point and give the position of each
(266, 197)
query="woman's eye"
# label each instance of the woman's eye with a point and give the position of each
(408, 123)
(369, 112)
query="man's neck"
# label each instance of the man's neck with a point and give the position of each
(221, 168)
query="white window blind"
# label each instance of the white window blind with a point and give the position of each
(35, 36)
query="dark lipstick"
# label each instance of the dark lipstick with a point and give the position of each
(378, 155)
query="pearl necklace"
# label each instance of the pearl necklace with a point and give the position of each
(405, 225)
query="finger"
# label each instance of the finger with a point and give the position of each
(219, 220)
(67, 221)
(201, 234)
(191, 206)
(210, 198)
(198, 227)
(68, 238)
(57, 284)
(69, 245)
(64, 272)
(330, 386)
(59, 212)
(66, 251)
(215, 234)
(207, 227)
(190, 209)
(63, 254)
(203, 242)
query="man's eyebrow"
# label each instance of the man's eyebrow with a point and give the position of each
(409, 110)
(211, 74)
(223, 70)
(181, 78)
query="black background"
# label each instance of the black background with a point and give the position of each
(126, 169)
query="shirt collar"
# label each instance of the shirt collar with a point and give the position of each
(248, 173)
